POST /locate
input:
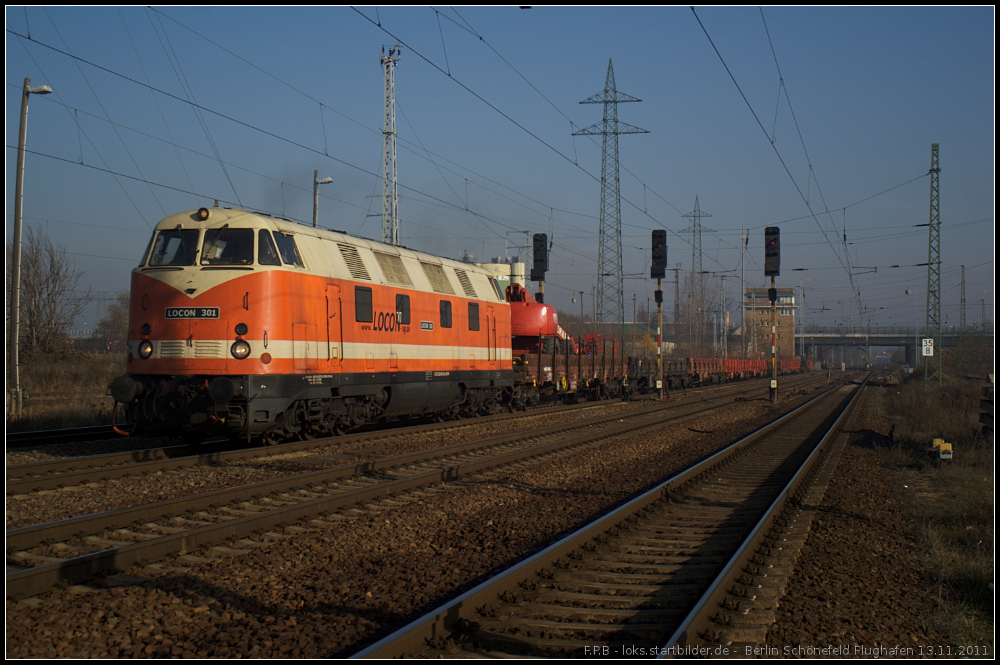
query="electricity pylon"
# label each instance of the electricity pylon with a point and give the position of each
(610, 304)
(696, 291)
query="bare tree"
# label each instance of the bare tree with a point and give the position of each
(113, 326)
(49, 301)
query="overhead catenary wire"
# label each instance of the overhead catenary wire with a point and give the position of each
(853, 231)
(846, 267)
(327, 106)
(97, 97)
(363, 170)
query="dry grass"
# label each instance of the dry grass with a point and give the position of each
(951, 501)
(68, 391)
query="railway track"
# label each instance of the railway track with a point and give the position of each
(63, 472)
(65, 435)
(677, 571)
(75, 550)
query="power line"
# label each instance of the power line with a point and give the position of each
(777, 153)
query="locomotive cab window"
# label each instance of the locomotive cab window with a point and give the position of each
(473, 316)
(402, 310)
(286, 247)
(145, 253)
(227, 247)
(363, 304)
(446, 314)
(267, 253)
(175, 247)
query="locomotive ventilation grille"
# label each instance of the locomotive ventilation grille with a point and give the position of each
(354, 263)
(208, 349)
(437, 277)
(172, 349)
(393, 269)
(177, 349)
(466, 283)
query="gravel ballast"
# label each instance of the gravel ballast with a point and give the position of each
(328, 590)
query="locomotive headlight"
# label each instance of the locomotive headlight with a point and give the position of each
(240, 349)
(145, 349)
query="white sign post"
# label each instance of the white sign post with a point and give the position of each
(928, 346)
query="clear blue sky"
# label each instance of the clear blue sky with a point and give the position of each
(487, 100)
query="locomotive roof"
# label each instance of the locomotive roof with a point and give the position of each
(220, 216)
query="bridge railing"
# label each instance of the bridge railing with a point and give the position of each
(898, 331)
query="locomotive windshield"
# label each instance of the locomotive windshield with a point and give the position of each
(176, 247)
(227, 247)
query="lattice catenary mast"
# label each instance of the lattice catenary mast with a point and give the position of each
(610, 304)
(933, 330)
(961, 303)
(390, 210)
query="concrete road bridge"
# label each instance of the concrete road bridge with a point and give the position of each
(815, 337)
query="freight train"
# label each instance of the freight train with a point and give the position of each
(258, 328)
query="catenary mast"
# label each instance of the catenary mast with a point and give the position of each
(390, 210)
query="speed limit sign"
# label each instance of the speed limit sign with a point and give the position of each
(928, 346)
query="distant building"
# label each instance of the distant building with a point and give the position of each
(506, 271)
(759, 322)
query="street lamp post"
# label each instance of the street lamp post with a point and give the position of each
(13, 378)
(316, 184)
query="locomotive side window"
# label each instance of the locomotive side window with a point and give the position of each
(267, 253)
(473, 316)
(176, 247)
(227, 247)
(496, 288)
(402, 310)
(446, 314)
(363, 304)
(286, 247)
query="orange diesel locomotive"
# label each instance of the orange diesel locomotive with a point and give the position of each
(255, 327)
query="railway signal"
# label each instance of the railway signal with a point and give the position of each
(539, 263)
(659, 265)
(539, 256)
(772, 252)
(772, 268)
(657, 269)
